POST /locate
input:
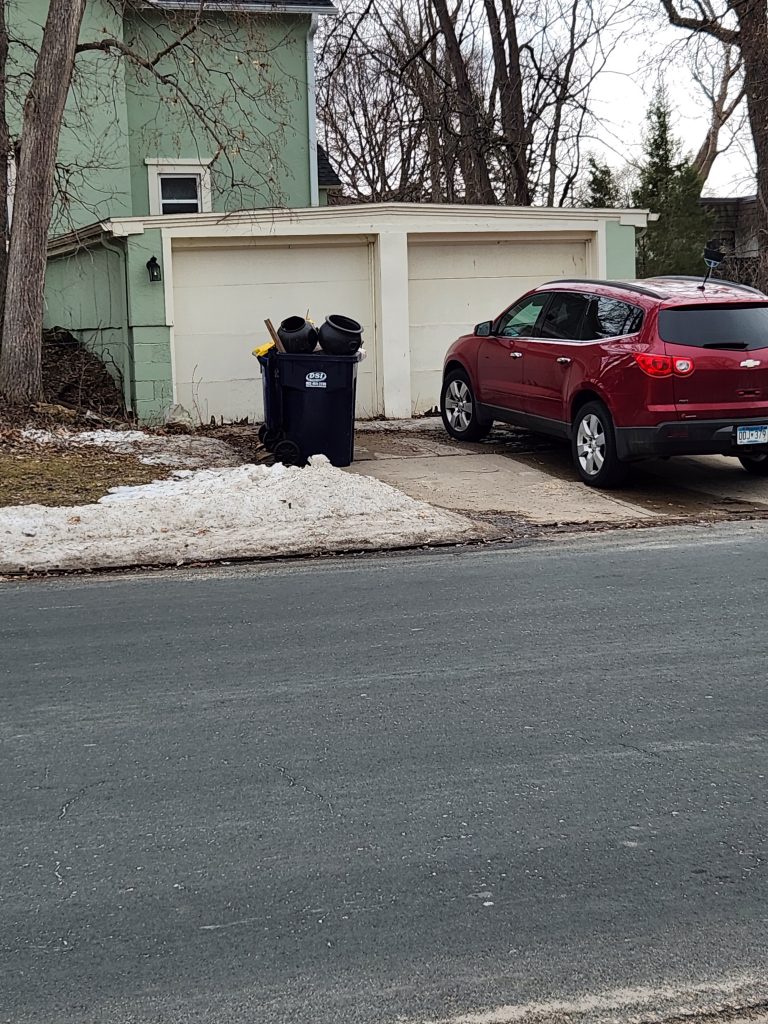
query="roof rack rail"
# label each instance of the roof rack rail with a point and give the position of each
(712, 280)
(611, 284)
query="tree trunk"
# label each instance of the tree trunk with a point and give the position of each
(471, 156)
(708, 152)
(5, 159)
(753, 44)
(561, 98)
(20, 356)
(518, 137)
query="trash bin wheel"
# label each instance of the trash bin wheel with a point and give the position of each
(271, 438)
(288, 453)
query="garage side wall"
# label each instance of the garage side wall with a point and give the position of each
(150, 333)
(620, 250)
(102, 295)
(85, 294)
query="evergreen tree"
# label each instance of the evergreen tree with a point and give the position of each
(669, 186)
(603, 190)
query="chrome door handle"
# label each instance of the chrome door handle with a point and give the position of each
(564, 360)
(515, 355)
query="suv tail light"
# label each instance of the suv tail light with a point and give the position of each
(663, 366)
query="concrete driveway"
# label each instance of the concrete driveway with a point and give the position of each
(515, 479)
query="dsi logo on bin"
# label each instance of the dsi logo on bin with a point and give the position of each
(316, 379)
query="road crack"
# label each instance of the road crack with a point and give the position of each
(292, 781)
(65, 807)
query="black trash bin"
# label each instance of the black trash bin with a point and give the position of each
(309, 405)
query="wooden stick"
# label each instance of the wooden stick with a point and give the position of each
(274, 336)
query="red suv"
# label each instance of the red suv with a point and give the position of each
(624, 371)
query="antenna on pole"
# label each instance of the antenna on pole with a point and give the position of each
(713, 257)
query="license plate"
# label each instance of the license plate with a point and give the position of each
(752, 435)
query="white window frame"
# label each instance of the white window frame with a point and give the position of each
(157, 168)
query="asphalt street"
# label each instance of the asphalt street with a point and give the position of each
(389, 789)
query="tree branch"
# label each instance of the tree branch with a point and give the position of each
(711, 26)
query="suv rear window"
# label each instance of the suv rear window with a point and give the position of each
(727, 326)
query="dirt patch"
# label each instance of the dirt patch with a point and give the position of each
(30, 474)
(75, 377)
(243, 438)
(78, 389)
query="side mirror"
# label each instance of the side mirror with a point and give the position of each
(483, 330)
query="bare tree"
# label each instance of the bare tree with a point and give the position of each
(743, 25)
(493, 99)
(717, 71)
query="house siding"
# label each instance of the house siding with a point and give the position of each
(93, 150)
(245, 176)
(117, 115)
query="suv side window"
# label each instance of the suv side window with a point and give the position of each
(520, 321)
(564, 316)
(610, 318)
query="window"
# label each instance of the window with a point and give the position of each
(729, 326)
(564, 316)
(180, 193)
(520, 320)
(179, 186)
(610, 318)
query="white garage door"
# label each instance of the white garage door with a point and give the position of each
(454, 285)
(223, 294)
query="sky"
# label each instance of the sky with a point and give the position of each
(621, 95)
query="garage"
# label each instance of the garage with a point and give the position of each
(223, 292)
(453, 284)
(415, 275)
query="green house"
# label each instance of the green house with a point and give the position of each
(224, 120)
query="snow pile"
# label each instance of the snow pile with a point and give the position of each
(246, 512)
(178, 451)
(100, 438)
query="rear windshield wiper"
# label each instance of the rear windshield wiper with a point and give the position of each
(725, 344)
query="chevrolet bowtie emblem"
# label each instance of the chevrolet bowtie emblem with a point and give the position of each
(750, 363)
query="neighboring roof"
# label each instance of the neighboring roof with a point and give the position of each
(256, 6)
(727, 200)
(326, 175)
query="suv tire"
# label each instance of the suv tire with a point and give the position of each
(593, 446)
(756, 465)
(458, 407)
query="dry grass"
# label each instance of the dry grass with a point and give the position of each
(47, 476)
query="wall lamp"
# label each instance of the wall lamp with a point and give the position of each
(153, 268)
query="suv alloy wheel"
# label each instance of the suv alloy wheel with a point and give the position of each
(593, 445)
(459, 409)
